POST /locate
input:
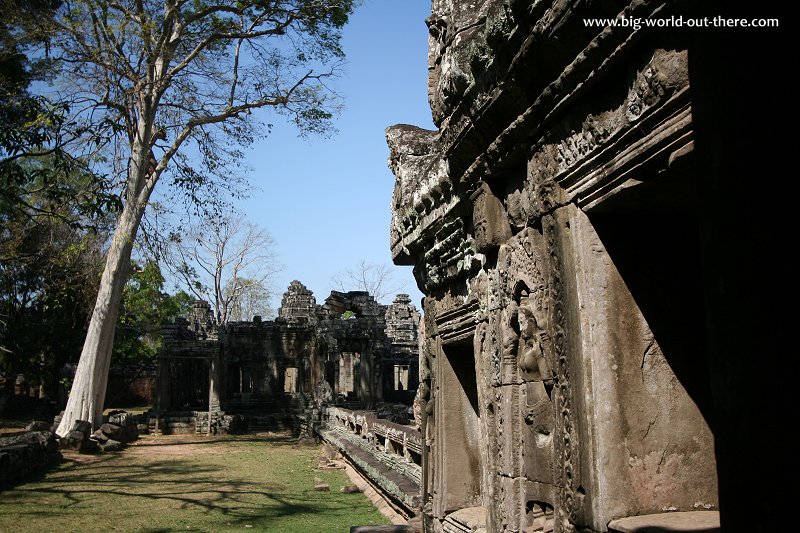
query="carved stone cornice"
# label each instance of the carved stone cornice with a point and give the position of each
(450, 253)
(459, 324)
(483, 133)
(629, 159)
(422, 190)
(486, 132)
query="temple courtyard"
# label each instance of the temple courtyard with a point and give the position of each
(258, 481)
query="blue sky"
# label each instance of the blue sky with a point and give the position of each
(326, 202)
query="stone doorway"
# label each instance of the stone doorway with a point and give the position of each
(240, 380)
(189, 381)
(401, 375)
(662, 275)
(290, 380)
(349, 363)
(458, 428)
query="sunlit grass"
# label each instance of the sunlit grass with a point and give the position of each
(190, 483)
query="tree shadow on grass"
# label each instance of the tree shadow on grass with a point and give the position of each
(176, 485)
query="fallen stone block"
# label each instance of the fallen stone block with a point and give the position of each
(131, 433)
(74, 440)
(322, 487)
(38, 425)
(113, 431)
(120, 418)
(112, 446)
(90, 446)
(83, 426)
(27, 452)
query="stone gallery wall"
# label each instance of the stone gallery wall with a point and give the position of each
(350, 349)
(555, 221)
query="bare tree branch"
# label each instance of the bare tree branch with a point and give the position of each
(226, 261)
(375, 278)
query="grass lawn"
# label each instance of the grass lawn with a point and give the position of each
(256, 482)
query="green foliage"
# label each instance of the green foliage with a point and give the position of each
(49, 263)
(34, 131)
(145, 309)
(48, 276)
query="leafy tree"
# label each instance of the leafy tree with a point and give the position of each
(228, 261)
(145, 309)
(48, 275)
(159, 84)
(52, 210)
(375, 278)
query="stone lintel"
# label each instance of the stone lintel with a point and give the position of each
(459, 324)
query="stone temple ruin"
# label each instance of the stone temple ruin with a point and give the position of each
(349, 351)
(583, 359)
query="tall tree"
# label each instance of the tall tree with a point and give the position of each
(375, 278)
(253, 297)
(164, 82)
(228, 261)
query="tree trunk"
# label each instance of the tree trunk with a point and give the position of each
(88, 391)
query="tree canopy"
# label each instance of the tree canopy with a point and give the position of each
(146, 307)
(39, 176)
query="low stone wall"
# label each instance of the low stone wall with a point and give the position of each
(386, 436)
(399, 440)
(27, 452)
(388, 454)
(173, 423)
(191, 422)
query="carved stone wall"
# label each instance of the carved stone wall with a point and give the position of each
(350, 349)
(553, 221)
